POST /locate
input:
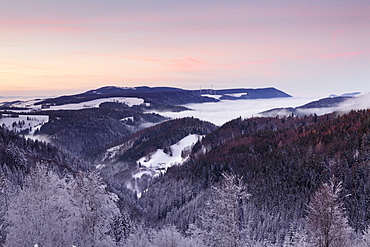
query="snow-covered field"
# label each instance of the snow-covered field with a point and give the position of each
(159, 161)
(95, 103)
(130, 101)
(23, 122)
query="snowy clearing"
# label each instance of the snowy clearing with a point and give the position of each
(159, 161)
(27, 124)
(95, 103)
(212, 96)
(237, 95)
(22, 122)
(127, 119)
(130, 101)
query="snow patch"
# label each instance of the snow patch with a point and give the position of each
(30, 104)
(28, 124)
(237, 95)
(127, 119)
(212, 96)
(127, 88)
(95, 103)
(110, 153)
(27, 104)
(22, 122)
(159, 161)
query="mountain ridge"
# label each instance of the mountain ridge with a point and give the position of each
(162, 94)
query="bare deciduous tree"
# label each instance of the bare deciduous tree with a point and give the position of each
(224, 221)
(326, 223)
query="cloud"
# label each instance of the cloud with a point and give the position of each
(186, 64)
(136, 58)
(356, 103)
(365, 20)
(226, 110)
(343, 55)
(36, 22)
(59, 26)
(247, 63)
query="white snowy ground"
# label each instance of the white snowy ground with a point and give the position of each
(87, 104)
(31, 121)
(159, 161)
(95, 103)
(36, 121)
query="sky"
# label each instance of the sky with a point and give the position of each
(305, 48)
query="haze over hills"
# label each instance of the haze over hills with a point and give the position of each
(342, 104)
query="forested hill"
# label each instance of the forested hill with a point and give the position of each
(81, 131)
(163, 95)
(162, 136)
(119, 159)
(254, 182)
(18, 155)
(283, 161)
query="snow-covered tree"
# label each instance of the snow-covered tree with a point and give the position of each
(3, 207)
(166, 237)
(41, 212)
(53, 211)
(362, 240)
(296, 237)
(141, 237)
(224, 222)
(326, 223)
(120, 227)
(170, 237)
(97, 209)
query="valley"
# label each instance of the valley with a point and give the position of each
(169, 157)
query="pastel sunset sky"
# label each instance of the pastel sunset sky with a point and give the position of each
(305, 48)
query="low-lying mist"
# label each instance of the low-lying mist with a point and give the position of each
(223, 111)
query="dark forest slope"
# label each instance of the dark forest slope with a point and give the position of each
(18, 155)
(282, 161)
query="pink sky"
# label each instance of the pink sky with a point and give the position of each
(52, 47)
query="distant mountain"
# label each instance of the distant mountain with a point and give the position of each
(168, 95)
(144, 89)
(153, 98)
(246, 93)
(162, 95)
(325, 103)
(346, 94)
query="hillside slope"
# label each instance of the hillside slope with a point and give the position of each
(282, 161)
